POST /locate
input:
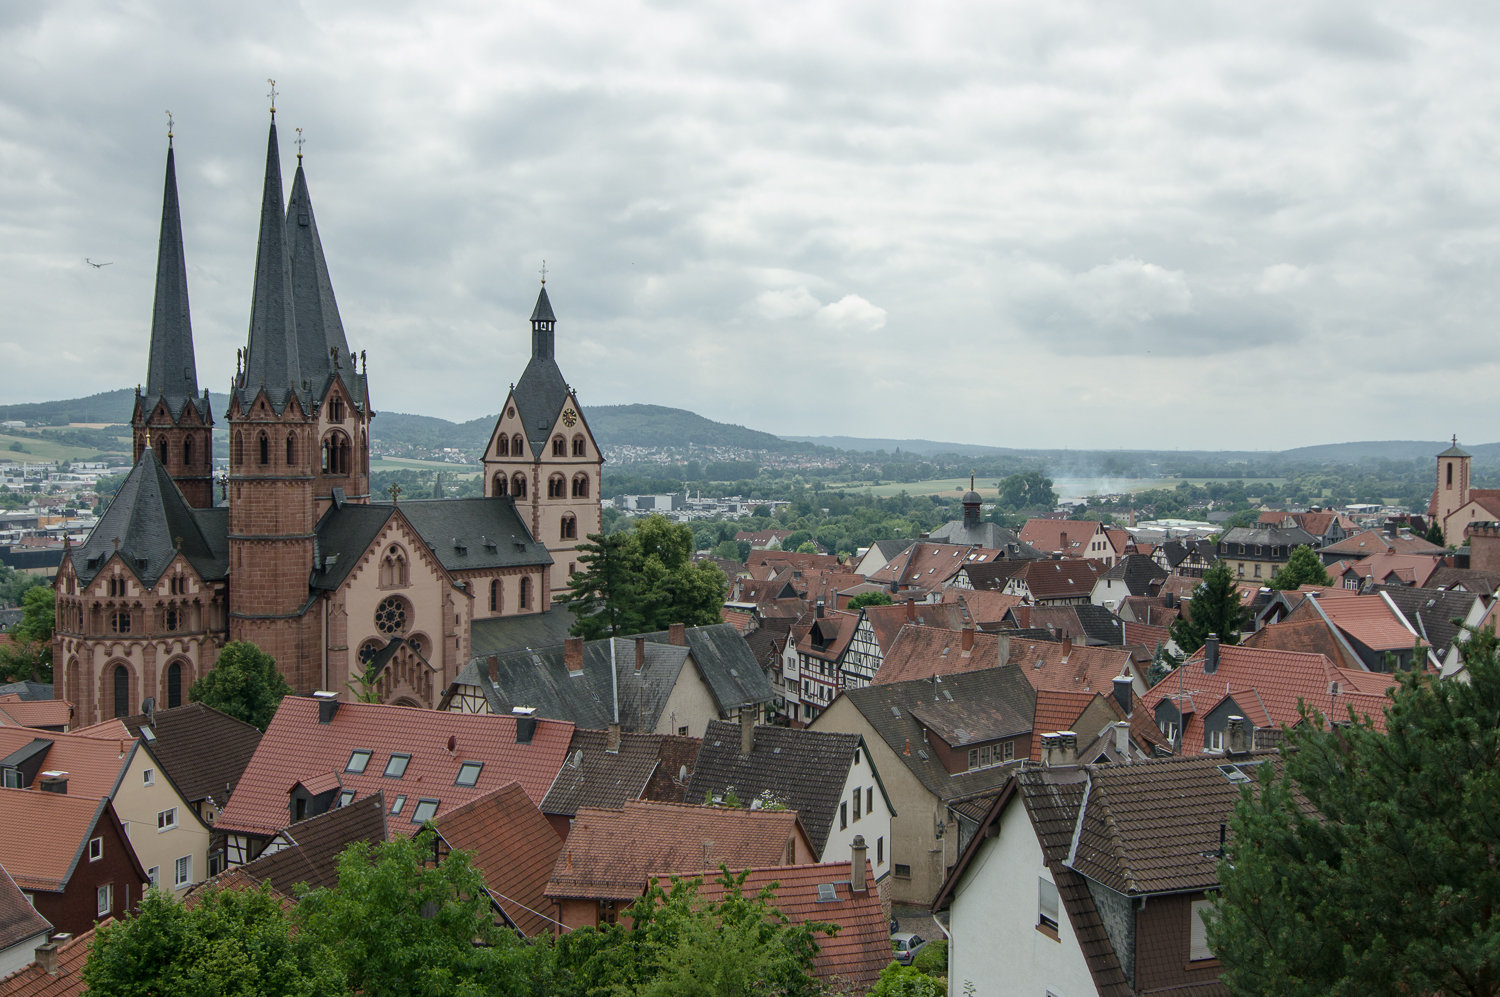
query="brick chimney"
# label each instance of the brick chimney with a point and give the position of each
(1062, 542)
(573, 656)
(1211, 654)
(911, 609)
(966, 640)
(747, 730)
(612, 739)
(494, 663)
(1067, 648)
(640, 654)
(857, 865)
(677, 635)
(1123, 688)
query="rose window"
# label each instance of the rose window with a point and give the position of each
(391, 616)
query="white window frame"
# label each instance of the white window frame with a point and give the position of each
(166, 820)
(148, 777)
(1198, 932)
(96, 849)
(154, 875)
(104, 899)
(182, 872)
(1047, 904)
(1215, 743)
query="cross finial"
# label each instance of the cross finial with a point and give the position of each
(544, 273)
(272, 95)
(169, 129)
(300, 140)
(395, 491)
(148, 437)
(1455, 439)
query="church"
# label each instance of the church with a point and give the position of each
(293, 553)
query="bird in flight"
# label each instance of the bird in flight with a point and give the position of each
(98, 266)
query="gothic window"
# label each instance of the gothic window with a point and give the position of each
(116, 587)
(393, 573)
(525, 600)
(392, 616)
(291, 450)
(569, 527)
(502, 483)
(122, 691)
(496, 594)
(239, 449)
(187, 451)
(335, 453)
(518, 486)
(555, 486)
(265, 449)
(578, 446)
(119, 621)
(502, 446)
(336, 409)
(162, 450)
(559, 447)
(174, 684)
(172, 619)
(367, 652)
(581, 486)
(517, 446)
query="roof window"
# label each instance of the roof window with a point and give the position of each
(395, 767)
(424, 811)
(468, 773)
(346, 797)
(397, 804)
(358, 759)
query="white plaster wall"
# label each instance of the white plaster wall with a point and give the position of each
(874, 826)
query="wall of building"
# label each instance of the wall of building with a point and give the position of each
(874, 824)
(690, 705)
(1162, 935)
(137, 805)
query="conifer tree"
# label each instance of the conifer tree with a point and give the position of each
(1215, 609)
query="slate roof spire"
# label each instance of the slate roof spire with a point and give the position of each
(171, 372)
(542, 390)
(272, 358)
(542, 324)
(319, 328)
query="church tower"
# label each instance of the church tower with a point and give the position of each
(170, 416)
(542, 455)
(1452, 491)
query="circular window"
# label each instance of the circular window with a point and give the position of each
(510, 413)
(390, 616)
(368, 651)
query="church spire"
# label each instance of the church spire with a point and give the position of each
(320, 332)
(272, 359)
(171, 370)
(543, 322)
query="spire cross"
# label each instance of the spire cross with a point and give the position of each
(395, 491)
(544, 273)
(169, 129)
(300, 140)
(1455, 439)
(272, 95)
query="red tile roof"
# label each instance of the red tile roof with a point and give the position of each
(514, 847)
(1375, 542)
(983, 606)
(45, 863)
(93, 764)
(1056, 711)
(1307, 636)
(1146, 635)
(740, 619)
(610, 854)
(928, 566)
(1070, 667)
(861, 947)
(1372, 621)
(296, 747)
(920, 652)
(1047, 535)
(1068, 579)
(1409, 569)
(37, 712)
(33, 981)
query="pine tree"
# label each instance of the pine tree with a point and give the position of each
(1215, 608)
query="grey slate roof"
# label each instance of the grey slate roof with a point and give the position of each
(805, 769)
(319, 328)
(172, 373)
(28, 691)
(201, 750)
(148, 516)
(593, 777)
(990, 535)
(1455, 451)
(272, 359)
(488, 533)
(343, 535)
(727, 665)
(1431, 612)
(1276, 536)
(503, 634)
(542, 390)
(1138, 571)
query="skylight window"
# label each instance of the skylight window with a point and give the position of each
(395, 768)
(424, 811)
(346, 797)
(468, 773)
(397, 805)
(358, 759)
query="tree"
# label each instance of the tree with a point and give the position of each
(1367, 863)
(31, 657)
(244, 683)
(233, 943)
(1215, 608)
(643, 580)
(1434, 534)
(1030, 490)
(1302, 568)
(870, 599)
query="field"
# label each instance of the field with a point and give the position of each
(42, 448)
(1065, 487)
(406, 464)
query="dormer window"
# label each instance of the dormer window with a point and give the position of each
(395, 767)
(358, 759)
(468, 773)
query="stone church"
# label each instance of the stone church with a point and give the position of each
(293, 554)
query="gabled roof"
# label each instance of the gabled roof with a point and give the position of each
(34, 712)
(920, 652)
(1139, 573)
(297, 747)
(1485, 583)
(94, 765)
(18, 919)
(610, 854)
(69, 822)
(499, 634)
(34, 981)
(472, 534)
(929, 565)
(1058, 711)
(980, 607)
(514, 848)
(1306, 636)
(1431, 612)
(1085, 622)
(1386, 567)
(592, 776)
(1067, 579)
(727, 665)
(804, 769)
(202, 750)
(1047, 535)
(1369, 542)
(1069, 667)
(887, 621)
(828, 636)
(311, 848)
(1372, 621)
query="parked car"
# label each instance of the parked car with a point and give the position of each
(906, 945)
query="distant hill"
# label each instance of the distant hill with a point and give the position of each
(916, 448)
(107, 406)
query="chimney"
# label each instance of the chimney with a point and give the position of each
(1067, 648)
(1122, 738)
(819, 609)
(1211, 654)
(1051, 750)
(640, 654)
(1068, 746)
(677, 635)
(1123, 698)
(525, 723)
(573, 656)
(966, 640)
(494, 664)
(1062, 542)
(747, 730)
(328, 705)
(46, 956)
(857, 865)
(911, 609)
(54, 782)
(612, 739)
(1237, 736)
(1004, 656)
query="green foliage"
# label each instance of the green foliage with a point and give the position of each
(232, 943)
(807, 547)
(1162, 664)
(244, 683)
(1215, 609)
(870, 599)
(14, 584)
(1030, 491)
(933, 959)
(1387, 884)
(1303, 567)
(643, 580)
(729, 550)
(1434, 534)
(897, 980)
(31, 656)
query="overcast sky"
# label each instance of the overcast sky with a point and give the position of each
(1060, 224)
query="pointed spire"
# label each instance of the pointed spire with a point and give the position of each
(542, 326)
(171, 370)
(271, 358)
(320, 331)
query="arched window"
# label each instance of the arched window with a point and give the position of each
(122, 691)
(497, 593)
(163, 451)
(187, 451)
(393, 572)
(580, 486)
(518, 486)
(291, 450)
(367, 652)
(525, 599)
(517, 446)
(1450, 475)
(393, 616)
(174, 684)
(559, 447)
(579, 447)
(335, 453)
(502, 483)
(239, 449)
(502, 446)
(556, 486)
(569, 527)
(119, 621)
(336, 409)
(265, 449)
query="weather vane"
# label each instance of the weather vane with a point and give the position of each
(272, 95)
(169, 128)
(544, 273)
(300, 140)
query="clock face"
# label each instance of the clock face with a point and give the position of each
(569, 416)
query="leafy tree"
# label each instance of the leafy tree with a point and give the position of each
(244, 683)
(728, 550)
(232, 943)
(807, 547)
(31, 657)
(1367, 864)
(1302, 568)
(643, 580)
(870, 599)
(1215, 609)
(1030, 490)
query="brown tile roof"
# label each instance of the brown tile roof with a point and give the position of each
(203, 750)
(105, 729)
(1375, 542)
(296, 747)
(927, 565)
(1372, 621)
(514, 847)
(1070, 667)
(1485, 583)
(739, 619)
(18, 919)
(1307, 636)
(861, 947)
(312, 847)
(1410, 569)
(590, 776)
(46, 863)
(1055, 711)
(833, 631)
(610, 854)
(920, 652)
(1047, 535)
(1146, 635)
(33, 981)
(36, 712)
(1070, 579)
(783, 559)
(887, 621)
(94, 765)
(982, 606)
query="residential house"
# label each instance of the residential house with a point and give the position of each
(816, 674)
(1371, 632)
(57, 970)
(201, 749)
(1255, 554)
(763, 539)
(514, 848)
(982, 608)
(1055, 583)
(610, 855)
(924, 569)
(70, 855)
(1082, 622)
(1439, 616)
(984, 576)
(1131, 575)
(608, 768)
(828, 778)
(1327, 526)
(878, 626)
(921, 652)
(1371, 542)
(319, 753)
(1361, 574)
(38, 714)
(879, 554)
(1070, 538)
(22, 929)
(1186, 558)
(308, 852)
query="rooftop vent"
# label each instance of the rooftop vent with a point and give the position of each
(328, 705)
